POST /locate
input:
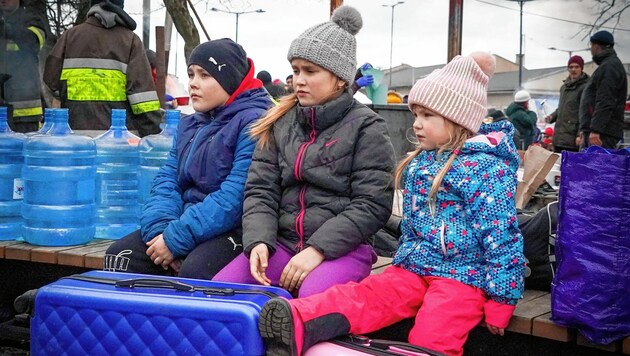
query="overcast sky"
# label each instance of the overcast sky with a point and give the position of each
(420, 30)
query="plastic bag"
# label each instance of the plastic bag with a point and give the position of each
(591, 288)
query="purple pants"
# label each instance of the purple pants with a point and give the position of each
(352, 267)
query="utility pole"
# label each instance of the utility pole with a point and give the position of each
(455, 19)
(335, 4)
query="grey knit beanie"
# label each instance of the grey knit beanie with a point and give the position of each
(331, 44)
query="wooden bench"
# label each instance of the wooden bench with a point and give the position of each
(89, 255)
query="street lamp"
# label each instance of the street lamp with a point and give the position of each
(569, 51)
(237, 13)
(391, 40)
(520, 45)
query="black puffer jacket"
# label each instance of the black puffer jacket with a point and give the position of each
(604, 97)
(566, 115)
(325, 180)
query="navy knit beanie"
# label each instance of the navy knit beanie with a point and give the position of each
(225, 60)
(604, 38)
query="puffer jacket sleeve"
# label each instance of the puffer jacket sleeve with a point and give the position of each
(494, 217)
(372, 194)
(262, 199)
(165, 203)
(220, 211)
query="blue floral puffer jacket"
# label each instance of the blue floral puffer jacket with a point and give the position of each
(198, 193)
(473, 235)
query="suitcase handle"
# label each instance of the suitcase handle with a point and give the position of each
(158, 283)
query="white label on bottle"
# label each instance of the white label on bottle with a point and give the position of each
(18, 188)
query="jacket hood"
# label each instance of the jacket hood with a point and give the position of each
(111, 15)
(601, 57)
(495, 139)
(512, 108)
(249, 99)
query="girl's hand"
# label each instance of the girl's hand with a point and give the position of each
(158, 252)
(258, 262)
(495, 330)
(299, 267)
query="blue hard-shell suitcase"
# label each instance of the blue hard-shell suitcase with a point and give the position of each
(110, 313)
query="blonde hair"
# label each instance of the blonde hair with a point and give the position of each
(457, 136)
(261, 130)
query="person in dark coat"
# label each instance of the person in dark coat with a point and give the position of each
(523, 119)
(276, 91)
(191, 224)
(22, 36)
(603, 99)
(566, 116)
(320, 183)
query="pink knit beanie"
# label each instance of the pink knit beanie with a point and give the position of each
(458, 91)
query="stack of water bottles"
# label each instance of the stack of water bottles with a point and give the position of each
(61, 189)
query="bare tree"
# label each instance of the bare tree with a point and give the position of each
(178, 9)
(609, 13)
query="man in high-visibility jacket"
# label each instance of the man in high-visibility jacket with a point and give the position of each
(100, 65)
(22, 35)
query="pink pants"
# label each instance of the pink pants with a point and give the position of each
(445, 310)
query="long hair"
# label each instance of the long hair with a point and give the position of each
(261, 130)
(457, 136)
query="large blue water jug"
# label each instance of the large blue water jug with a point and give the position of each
(58, 173)
(11, 186)
(153, 154)
(116, 180)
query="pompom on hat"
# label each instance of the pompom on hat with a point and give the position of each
(331, 45)
(458, 91)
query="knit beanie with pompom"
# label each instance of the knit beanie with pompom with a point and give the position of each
(331, 45)
(458, 91)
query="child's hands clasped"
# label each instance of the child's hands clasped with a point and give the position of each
(258, 262)
(159, 252)
(299, 267)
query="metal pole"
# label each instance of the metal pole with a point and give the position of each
(520, 49)
(146, 22)
(455, 21)
(391, 47)
(236, 27)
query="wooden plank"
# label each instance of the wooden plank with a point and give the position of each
(625, 347)
(544, 327)
(76, 256)
(612, 347)
(95, 258)
(381, 264)
(532, 305)
(48, 254)
(19, 251)
(4, 244)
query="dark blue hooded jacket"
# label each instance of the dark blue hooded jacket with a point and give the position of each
(198, 193)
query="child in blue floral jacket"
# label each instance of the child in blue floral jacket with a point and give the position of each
(460, 260)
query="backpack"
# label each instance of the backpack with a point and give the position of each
(539, 239)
